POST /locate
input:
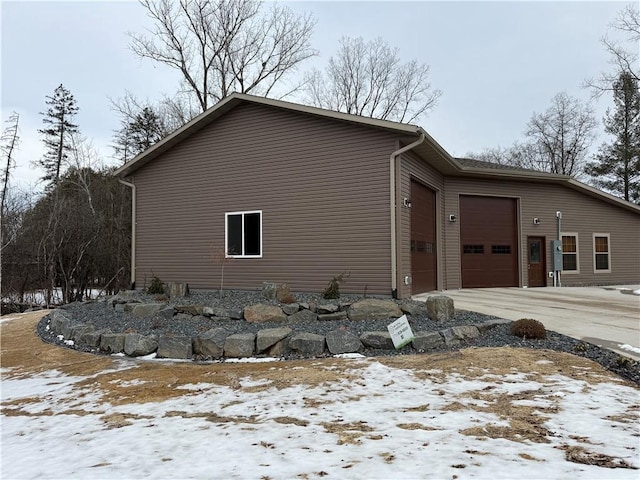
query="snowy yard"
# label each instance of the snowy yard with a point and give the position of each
(479, 413)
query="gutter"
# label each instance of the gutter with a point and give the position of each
(393, 197)
(133, 231)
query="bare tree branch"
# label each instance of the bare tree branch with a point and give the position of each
(368, 78)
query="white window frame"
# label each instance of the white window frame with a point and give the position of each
(577, 253)
(226, 233)
(608, 237)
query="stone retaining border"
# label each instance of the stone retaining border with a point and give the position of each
(217, 343)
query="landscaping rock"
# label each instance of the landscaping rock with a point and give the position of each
(147, 309)
(270, 336)
(181, 317)
(280, 349)
(136, 345)
(210, 343)
(59, 321)
(412, 307)
(284, 295)
(328, 317)
(343, 341)
(303, 316)
(190, 309)
(264, 313)
(454, 335)
(269, 290)
(174, 347)
(425, 341)
(440, 308)
(291, 308)
(76, 331)
(374, 308)
(166, 313)
(307, 343)
(112, 342)
(177, 289)
(91, 338)
(327, 308)
(490, 324)
(380, 340)
(123, 296)
(119, 307)
(216, 312)
(240, 345)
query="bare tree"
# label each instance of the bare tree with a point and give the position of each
(222, 46)
(8, 143)
(623, 53)
(369, 79)
(559, 138)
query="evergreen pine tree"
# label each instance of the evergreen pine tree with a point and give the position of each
(138, 134)
(617, 165)
(59, 128)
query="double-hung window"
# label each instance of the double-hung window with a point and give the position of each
(243, 234)
(570, 262)
(601, 253)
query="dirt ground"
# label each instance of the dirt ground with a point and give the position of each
(122, 381)
(23, 354)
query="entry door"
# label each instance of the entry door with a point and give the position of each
(423, 239)
(537, 261)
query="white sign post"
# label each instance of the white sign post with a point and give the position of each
(401, 333)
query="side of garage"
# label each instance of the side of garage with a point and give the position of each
(498, 233)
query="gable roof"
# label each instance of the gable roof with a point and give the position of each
(429, 150)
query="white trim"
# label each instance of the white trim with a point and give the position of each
(226, 233)
(577, 253)
(608, 237)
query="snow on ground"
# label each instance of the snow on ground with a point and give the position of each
(630, 348)
(376, 422)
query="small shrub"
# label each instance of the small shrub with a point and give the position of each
(156, 287)
(581, 347)
(528, 328)
(623, 362)
(333, 289)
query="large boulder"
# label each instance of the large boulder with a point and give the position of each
(453, 335)
(343, 341)
(377, 340)
(124, 296)
(440, 308)
(174, 347)
(413, 307)
(330, 317)
(147, 309)
(189, 309)
(491, 324)
(137, 345)
(303, 316)
(264, 313)
(210, 343)
(91, 338)
(327, 308)
(59, 322)
(425, 341)
(307, 343)
(374, 308)
(270, 336)
(240, 345)
(290, 308)
(112, 342)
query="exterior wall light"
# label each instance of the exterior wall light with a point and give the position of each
(406, 202)
(536, 221)
(452, 218)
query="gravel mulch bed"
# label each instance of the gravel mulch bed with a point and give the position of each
(101, 314)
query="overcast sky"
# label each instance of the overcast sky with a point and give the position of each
(496, 62)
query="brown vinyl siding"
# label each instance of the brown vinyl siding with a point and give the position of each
(419, 170)
(582, 214)
(322, 186)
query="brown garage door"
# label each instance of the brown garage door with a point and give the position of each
(423, 238)
(488, 242)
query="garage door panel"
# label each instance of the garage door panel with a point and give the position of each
(423, 239)
(488, 237)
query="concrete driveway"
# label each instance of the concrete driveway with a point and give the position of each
(600, 315)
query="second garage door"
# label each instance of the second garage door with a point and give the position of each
(488, 242)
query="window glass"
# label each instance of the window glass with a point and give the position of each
(570, 253)
(477, 249)
(244, 234)
(252, 234)
(601, 252)
(234, 234)
(501, 249)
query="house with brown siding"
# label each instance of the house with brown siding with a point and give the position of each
(296, 194)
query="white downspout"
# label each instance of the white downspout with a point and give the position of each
(133, 230)
(392, 193)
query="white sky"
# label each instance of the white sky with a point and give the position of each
(496, 62)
